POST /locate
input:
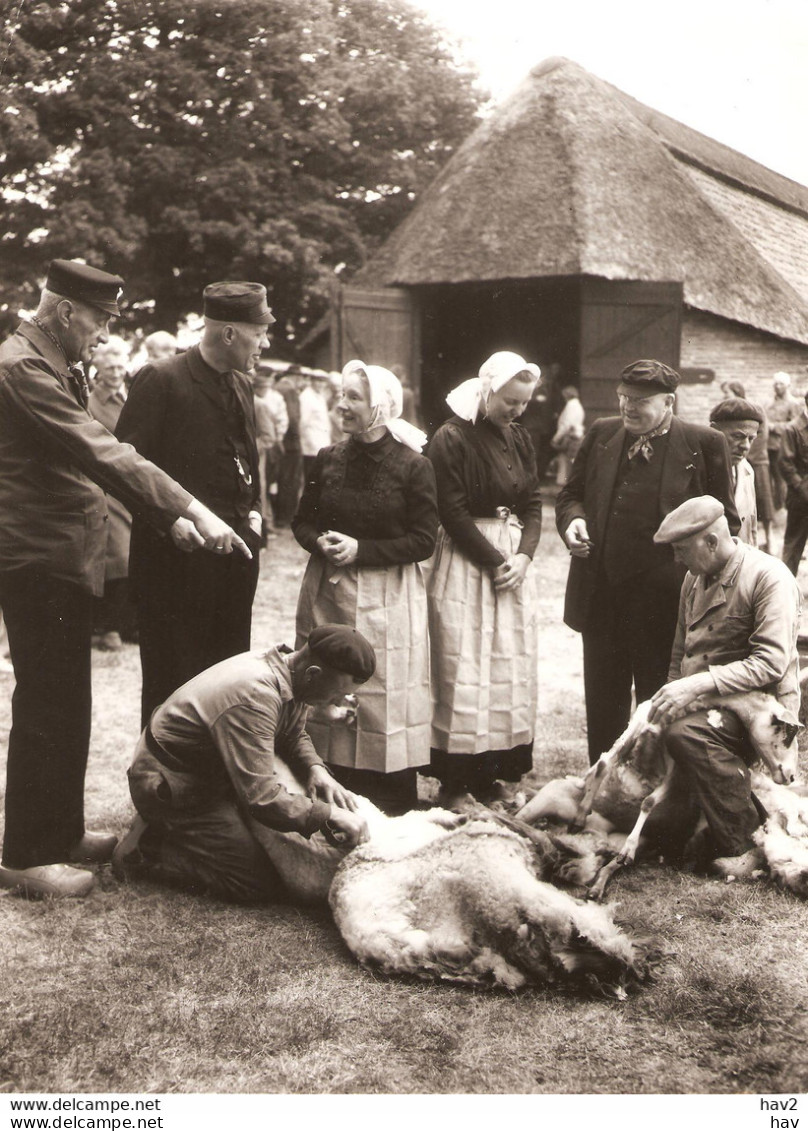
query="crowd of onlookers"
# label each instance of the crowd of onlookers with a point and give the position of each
(418, 590)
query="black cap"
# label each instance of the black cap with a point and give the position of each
(647, 378)
(237, 302)
(70, 279)
(735, 408)
(344, 649)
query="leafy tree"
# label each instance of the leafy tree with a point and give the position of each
(182, 141)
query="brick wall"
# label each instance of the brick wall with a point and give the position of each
(736, 353)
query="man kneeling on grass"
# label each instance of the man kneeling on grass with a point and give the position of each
(739, 615)
(204, 768)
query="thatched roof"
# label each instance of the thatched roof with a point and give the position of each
(570, 176)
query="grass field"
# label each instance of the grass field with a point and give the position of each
(138, 989)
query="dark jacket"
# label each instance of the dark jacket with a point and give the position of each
(174, 415)
(56, 462)
(383, 494)
(696, 463)
(794, 461)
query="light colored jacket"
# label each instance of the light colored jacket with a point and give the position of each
(271, 419)
(742, 628)
(315, 423)
(746, 502)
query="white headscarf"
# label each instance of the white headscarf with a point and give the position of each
(386, 402)
(470, 398)
(782, 378)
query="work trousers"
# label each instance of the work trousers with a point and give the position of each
(195, 839)
(193, 611)
(49, 626)
(627, 643)
(712, 750)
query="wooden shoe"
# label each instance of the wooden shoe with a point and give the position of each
(58, 881)
(747, 866)
(93, 848)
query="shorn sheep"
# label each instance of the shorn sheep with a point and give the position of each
(636, 779)
(461, 898)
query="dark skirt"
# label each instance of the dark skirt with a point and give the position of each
(477, 772)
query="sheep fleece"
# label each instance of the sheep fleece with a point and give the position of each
(468, 907)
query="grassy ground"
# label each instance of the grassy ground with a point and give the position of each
(140, 989)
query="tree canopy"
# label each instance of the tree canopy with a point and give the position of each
(177, 142)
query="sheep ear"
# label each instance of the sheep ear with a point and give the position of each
(786, 717)
(791, 732)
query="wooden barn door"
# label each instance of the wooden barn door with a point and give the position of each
(380, 327)
(622, 322)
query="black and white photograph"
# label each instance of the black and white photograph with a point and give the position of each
(403, 520)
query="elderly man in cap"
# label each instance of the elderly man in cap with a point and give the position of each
(193, 415)
(205, 781)
(794, 469)
(623, 588)
(740, 421)
(56, 462)
(737, 630)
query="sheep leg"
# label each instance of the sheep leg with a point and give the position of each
(629, 850)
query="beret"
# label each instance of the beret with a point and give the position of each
(689, 518)
(736, 408)
(648, 378)
(70, 279)
(344, 649)
(237, 302)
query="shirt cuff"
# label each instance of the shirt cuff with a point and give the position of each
(318, 815)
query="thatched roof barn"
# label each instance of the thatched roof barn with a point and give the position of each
(586, 229)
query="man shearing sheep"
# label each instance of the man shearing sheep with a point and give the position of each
(204, 768)
(737, 631)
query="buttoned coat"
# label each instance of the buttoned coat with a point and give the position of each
(696, 462)
(746, 502)
(56, 462)
(742, 627)
(105, 407)
(174, 416)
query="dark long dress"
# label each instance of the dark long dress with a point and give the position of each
(484, 643)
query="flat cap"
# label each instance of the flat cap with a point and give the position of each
(647, 378)
(237, 302)
(689, 518)
(344, 649)
(736, 408)
(71, 279)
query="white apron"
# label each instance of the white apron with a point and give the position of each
(484, 648)
(388, 606)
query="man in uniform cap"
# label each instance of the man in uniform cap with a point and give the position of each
(740, 421)
(737, 631)
(205, 781)
(623, 588)
(56, 463)
(193, 415)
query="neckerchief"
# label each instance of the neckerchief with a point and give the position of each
(642, 445)
(74, 372)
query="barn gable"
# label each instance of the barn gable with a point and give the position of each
(571, 177)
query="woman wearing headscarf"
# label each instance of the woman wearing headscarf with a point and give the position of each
(368, 516)
(482, 602)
